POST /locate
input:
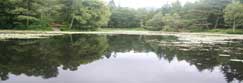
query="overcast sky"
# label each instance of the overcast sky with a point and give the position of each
(145, 3)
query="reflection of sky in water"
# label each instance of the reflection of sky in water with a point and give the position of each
(131, 68)
(132, 59)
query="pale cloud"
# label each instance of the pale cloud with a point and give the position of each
(146, 3)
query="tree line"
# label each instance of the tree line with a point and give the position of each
(197, 16)
(39, 14)
(93, 14)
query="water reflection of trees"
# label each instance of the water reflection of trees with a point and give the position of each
(203, 56)
(43, 57)
(207, 57)
(127, 43)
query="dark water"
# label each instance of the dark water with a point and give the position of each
(118, 59)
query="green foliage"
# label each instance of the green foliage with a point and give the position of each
(156, 23)
(123, 18)
(195, 28)
(176, 7)
(90, 15)
(29, 14)
(144, 15)
(93, 14)
(166, 22)
(208, 13)
(227, 31)
(199, 16)
(234, 15)
(18, 12)
(174, 21)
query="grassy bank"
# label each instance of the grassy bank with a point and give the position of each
(222, 31)
(183, 36)
(226, 31)
(216, 31)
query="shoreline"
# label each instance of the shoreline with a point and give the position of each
(114, 32)
(184, 36)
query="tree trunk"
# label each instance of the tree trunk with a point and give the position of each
(206, 23)
(234, 25)
(27, 22)
(71, 24)
(28, 12)
(217, 22)
(141, 23)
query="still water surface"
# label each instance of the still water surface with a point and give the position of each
(118, 59)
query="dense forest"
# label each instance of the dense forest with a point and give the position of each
(41, 14)
(94, 14)
(201, 15)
